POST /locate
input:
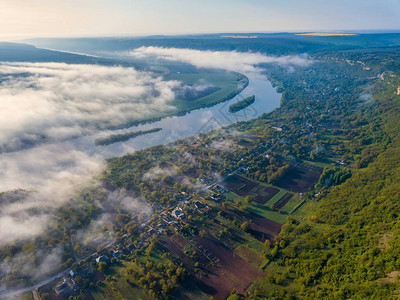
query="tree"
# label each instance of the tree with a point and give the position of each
(248, 199)
(202, 233)
(233, 296)
(78, 249)
(102, 267)
(245, 226)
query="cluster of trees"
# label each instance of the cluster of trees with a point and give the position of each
(242, 104)
(333, 176)
(157, 280)
(349, 246)
(161, 173)
(115, 138)
(70, 218)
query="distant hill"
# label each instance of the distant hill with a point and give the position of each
(19, 52)
(273, 43)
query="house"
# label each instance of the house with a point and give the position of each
(177, 213)
(199, 205)
(151, 231)
(216, 197)
(160, 229)
(102, 258)
(62, 288)
(117, 254)
(72, 273)
(219, 188)
(130, 247)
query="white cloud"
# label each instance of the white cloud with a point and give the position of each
(223, 145)
(157, 173)
(55, 174)
(55, 101)
(20, 228)
(227, 60)
(130, 204)
(45, 166)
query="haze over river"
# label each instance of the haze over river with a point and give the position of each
(36, 166)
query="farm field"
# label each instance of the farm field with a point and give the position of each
(325, 34)
(263, 228)
(239, 184)
(283, 201)
(265, 196)
(233, 266)
(220, 270)
(250, 255)
(243, 187)
(300, 178)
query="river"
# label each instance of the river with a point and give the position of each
(61, 161)
(200, 120)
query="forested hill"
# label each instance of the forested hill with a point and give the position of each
(348, 247)
(301, 203)
(272, 43)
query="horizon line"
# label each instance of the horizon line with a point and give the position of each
(129, 35)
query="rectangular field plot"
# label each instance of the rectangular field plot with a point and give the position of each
(262, 228)
(300, 178)
(233, 266)
(242, 186)
(283, 201)
(264, 194)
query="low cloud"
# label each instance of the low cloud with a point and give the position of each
(97, 233)
(190, 159)
(223, 145)
(51, 261)
(101, 230)
(49, 166)
(56, 101)
(366, 97)
(21, 227)
(158, 173)
(227, 60)
(33, 265)
(130, 204)
(29, 214)
(193, 92)
(52, 174)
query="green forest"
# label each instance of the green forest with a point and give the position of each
(347, 247)
(242, 104)
(115, 138)
(300, 203)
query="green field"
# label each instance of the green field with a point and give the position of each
(115, 287)
(228, 84)
(265, 211)
(276, 198)
(249, 255)
(222, 87)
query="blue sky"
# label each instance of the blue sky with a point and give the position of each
(35, 18)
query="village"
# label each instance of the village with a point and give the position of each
(200, 229)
